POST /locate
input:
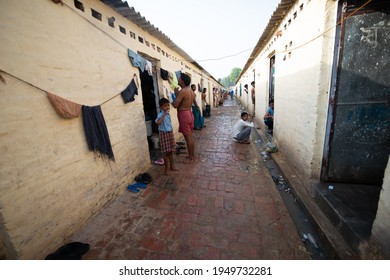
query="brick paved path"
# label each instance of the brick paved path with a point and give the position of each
(223, 206)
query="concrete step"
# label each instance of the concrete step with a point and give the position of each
(350, 207)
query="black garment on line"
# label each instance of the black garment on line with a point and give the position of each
(96, 131)
(164, 74)
(129, 92)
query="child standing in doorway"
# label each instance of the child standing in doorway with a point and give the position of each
(165, 131)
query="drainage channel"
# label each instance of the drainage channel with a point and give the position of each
(307, 233)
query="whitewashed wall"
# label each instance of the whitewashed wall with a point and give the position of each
(303, 53)
(50, 183)
(381, 227)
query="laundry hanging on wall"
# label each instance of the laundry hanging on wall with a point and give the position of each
(137, 60)
(63, 107)
(129, 92)
(149, 67)
(96, 131)
(164, 74)
(95, 127)
(172, 79)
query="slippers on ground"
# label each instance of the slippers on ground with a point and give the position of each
(140, 185)
(160, 161)
(139, 179)
(143, 178)
(132, 188)
(180, 143)
(146, 177)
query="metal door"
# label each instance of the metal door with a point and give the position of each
(359, 128)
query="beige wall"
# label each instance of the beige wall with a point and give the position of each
(50, 183)
(381, 227)
(302, 81)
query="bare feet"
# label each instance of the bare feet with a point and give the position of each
(189, 160)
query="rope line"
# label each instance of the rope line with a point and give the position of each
(45, 91)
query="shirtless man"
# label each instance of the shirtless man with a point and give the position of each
(183, 102)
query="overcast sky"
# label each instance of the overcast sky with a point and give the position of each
(208, 30)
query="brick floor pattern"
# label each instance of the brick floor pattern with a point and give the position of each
(224, 206)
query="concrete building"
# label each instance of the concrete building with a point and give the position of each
(326, 65)
(78, 50)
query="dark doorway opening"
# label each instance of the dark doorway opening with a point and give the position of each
(150, 97)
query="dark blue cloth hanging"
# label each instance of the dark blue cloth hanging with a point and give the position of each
(129, 92)
(96, 131)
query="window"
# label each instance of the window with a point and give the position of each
(79, 5)
(111, 21)
(147, 43)
(122, 29)
(96, 14)
(132, 35)
(140, 39)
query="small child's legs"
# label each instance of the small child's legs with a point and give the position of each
(168, 161)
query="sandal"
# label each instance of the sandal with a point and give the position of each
(133, 188)
(146, 177)
(139, 179)
(140, 185)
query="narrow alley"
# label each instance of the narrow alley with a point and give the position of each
(223, 206)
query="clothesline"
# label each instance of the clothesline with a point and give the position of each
(45, 91)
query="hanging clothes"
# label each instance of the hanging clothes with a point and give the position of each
(129, 92)
(149, 67)
(96, 131)
(63, 107)
(137, 60)
(173, 81)
(164, 74)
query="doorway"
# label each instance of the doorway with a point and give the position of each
(271, 89)
(151, 97)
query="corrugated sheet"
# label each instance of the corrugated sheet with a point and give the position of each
(276, 18)
(131, 14)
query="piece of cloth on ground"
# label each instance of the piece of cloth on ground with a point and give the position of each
(70, 251)
(96, 131)
(186, 122)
